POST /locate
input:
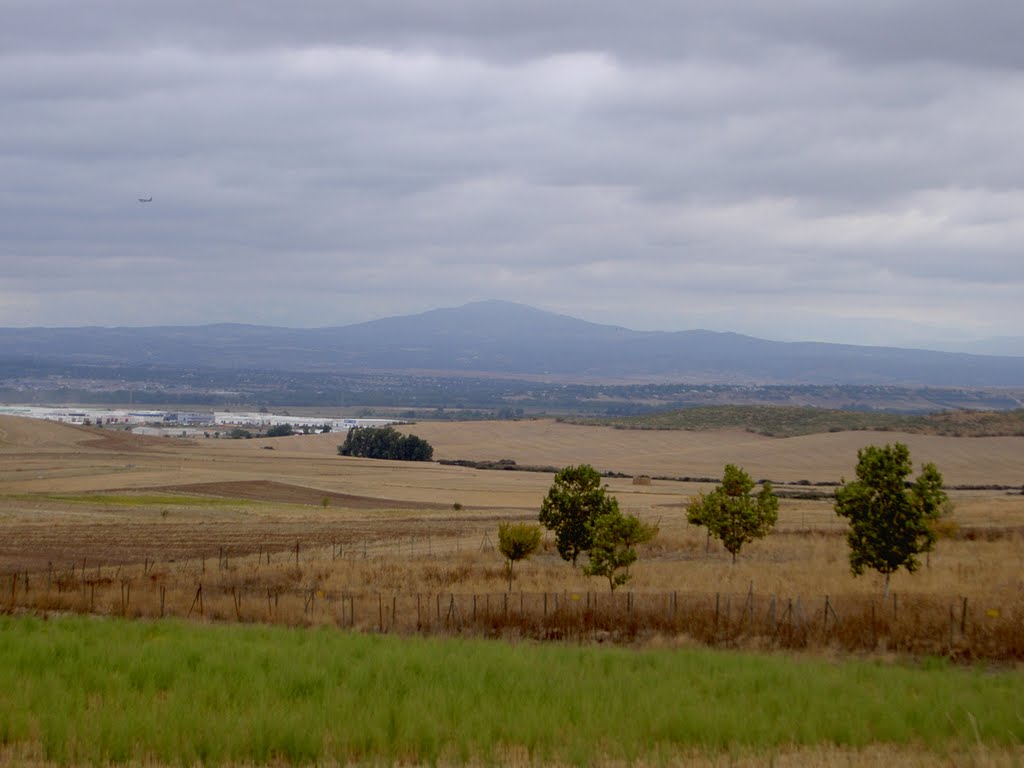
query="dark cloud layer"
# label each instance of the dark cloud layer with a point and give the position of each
(799, 169)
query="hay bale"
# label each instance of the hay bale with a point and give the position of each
(642, 480)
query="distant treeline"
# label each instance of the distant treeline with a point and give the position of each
(789, 421)
(447, 397)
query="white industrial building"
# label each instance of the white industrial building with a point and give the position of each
(133, 418)
(230, 418)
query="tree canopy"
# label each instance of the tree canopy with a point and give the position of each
(891, 521)
(731, 514)
(574, 501)
(613, 537)
(385, 443)
(517, 541)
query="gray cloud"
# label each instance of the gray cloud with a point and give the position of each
(848, 172)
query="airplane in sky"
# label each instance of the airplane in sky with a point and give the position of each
(146, 199)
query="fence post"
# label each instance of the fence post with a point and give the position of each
(963, 617)
(874, 626)
(197, 599)
(126, 595)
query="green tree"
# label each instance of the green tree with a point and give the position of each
(280, 430)
(574, 501)
(385, 443)
(517, 541)
(891, 521)
(614, 537)
(732, 514)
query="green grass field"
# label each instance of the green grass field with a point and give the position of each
(96, 691)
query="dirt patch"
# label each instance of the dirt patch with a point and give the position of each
(269, 490)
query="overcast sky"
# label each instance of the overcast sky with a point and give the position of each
(799, 169)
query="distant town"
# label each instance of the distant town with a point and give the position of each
(186, 423)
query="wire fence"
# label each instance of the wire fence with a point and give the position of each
(960, 627)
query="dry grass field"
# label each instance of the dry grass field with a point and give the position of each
(154, 513)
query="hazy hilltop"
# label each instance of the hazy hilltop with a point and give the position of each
(507, 339)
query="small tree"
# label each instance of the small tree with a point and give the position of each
(731, 514)
(517, 541)
(613, 538)
(574, 501)
(281, 430)
(890, 522)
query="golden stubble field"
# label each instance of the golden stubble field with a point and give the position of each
(219, 509)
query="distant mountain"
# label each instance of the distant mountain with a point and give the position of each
(997, 345)
(502, 338)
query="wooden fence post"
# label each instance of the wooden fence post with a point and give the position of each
(126, 595)
(197, 599)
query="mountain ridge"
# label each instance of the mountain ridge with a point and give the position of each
(505, 338)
